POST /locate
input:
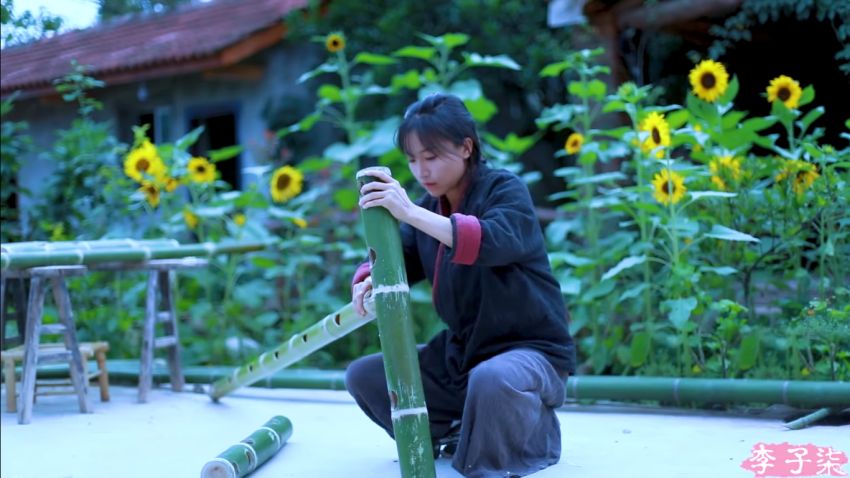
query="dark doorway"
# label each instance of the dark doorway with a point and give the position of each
(219, 132)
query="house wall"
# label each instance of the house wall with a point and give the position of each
(179, 97)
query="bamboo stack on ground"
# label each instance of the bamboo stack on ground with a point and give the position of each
(12, 259)
(327, 330)
(391, 293)
(249, 454)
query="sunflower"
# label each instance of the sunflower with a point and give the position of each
(334, 42)
(300, 222)
(723, 169)
(151, 192)
(144, 161)
(659, 132)
(171, 184)
(785, 89)
(201, 170)
(190, 218)
(239, 219)
(286, 183)
(574, 143)
(669, 187)
(709, 80)
(804, 175)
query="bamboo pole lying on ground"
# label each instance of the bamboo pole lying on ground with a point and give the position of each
(246, 456)
(401, 359)
(327, 330)
(79, 256)
(35, 246)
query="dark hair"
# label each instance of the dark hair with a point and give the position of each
(438, 118)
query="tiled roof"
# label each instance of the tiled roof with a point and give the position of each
(201, 35)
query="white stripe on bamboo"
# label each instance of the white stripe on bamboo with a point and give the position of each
(409, 411)
(389, 289)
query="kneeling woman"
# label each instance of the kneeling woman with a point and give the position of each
(499, 369)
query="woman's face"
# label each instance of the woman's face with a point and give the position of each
(439, 172)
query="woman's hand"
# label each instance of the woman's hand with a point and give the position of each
(358, 294)
(386, 192)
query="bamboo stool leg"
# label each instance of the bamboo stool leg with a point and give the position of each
(103, 375)
(146, 363)
(31, 339)
(77, 365)
(9, 376)
(2, 312)
(166, 282)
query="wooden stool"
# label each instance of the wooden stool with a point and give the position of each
(87, 350)
(160, 308)
(39, 276)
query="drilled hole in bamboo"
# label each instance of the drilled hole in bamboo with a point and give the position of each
(393, 399)
(372, 256)
(337, 319)
(304, 338)
(250, 368)
(276, 354)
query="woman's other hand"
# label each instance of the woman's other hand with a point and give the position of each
(358, 295)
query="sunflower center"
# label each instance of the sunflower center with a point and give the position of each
(335, 43)
(708, 80)
(656, 136)
(667, 188)
(784, 94)
(574, 143)
(143, 165)
(283, 182)
(200, 169)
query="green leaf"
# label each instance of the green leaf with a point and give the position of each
(639, 350)
(554, 69)
(599, 178)
(262, 262)
(633, 292)
(677, 118)
(319, 70)
(570, 285)
(726, 234)
(731, 92)
(596, 89)
(346, 199)
(680, 310)
(811, 116)
(808, 95)
(452, 40)
(600, 289)
(421, 52)
(500, 61)
(711, 194)
(189, 139)
(466, 89)
(409, 80)
(373, 59)
(721, 271)
(481, 109)
(732, 119)
(758, 124)
(330, 92)
(614, 105)
(225, 153)
(622, 265)
(748, 352)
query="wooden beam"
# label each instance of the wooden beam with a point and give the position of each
(238, 72)
(256, 42)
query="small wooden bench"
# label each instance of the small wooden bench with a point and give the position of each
(46, 351)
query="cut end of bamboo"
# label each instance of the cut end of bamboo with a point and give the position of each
(382, 169)
(219, 468)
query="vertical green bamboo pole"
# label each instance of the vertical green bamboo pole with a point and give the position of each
(401, 360)
(246, 456)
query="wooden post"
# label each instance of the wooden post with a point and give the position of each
(31, 339)
(79, 374)
(391, 292)
(166, 287)
(149, 328)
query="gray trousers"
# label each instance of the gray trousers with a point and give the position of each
(507, 409)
